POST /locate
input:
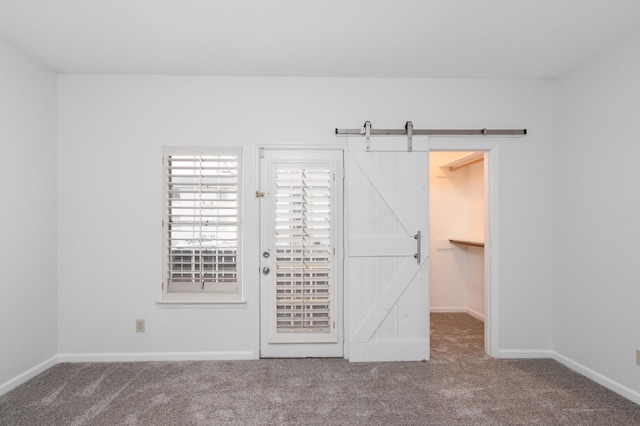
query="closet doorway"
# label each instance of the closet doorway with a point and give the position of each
(458, 216)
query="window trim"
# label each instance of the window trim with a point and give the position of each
(190, 298)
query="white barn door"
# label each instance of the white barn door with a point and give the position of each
(388, 298)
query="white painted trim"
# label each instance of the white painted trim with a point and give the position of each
(346, 247)
(27, 375)
(601, 379)
(158, 356)
(525, 353)
(447, 309)
(409, 351)
(491, 253)
(174, 304)
(477, 315)
(297, 146)
(593, 375)
(256, 274)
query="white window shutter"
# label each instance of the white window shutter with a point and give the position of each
(304, 247)
(202, 222)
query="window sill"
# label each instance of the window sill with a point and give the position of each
(183, 304)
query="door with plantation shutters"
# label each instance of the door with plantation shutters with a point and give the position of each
(301, 255)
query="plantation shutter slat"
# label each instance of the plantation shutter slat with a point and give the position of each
(201, 221)
(304, 247)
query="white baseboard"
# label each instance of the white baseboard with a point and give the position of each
(601, 379)
(444, 310)
(408, 351)
(157, 356)
(27, 375)
(525, 353)
(476, 315)
(608, 383)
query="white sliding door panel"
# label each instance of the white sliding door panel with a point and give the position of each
(387, 284)
(301, 253)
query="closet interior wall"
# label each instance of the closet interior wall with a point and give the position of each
(456, 212)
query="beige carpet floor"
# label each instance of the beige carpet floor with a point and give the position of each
(458, 386)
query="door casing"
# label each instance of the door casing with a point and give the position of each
(490, 147)
(309, 154)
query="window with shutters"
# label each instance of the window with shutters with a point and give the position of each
(202, 224)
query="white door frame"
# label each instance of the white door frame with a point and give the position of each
(491, 251)
(340, 238)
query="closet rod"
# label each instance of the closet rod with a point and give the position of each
(433, 132)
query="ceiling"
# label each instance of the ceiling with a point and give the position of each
(329, 38)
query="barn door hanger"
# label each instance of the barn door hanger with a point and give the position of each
(366, 131)
(409, 128)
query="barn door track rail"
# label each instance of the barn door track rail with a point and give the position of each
(368, 131)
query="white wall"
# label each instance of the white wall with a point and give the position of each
(456, 208)
(475, 255)
(596, 211)
(448, 218)
(112, 129)
(28, 306)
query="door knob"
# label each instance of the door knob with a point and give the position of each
(265, 270)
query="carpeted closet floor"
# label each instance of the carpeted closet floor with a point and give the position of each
(458, 386)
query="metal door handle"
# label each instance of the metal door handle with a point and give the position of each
(265, 270)
(419, 241)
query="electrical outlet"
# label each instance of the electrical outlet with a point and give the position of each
(638, 356)
(139, 326)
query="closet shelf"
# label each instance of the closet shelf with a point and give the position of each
(464, 161)
(468, 243)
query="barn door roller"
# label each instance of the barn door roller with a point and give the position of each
(367, 133)
(409, 128)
